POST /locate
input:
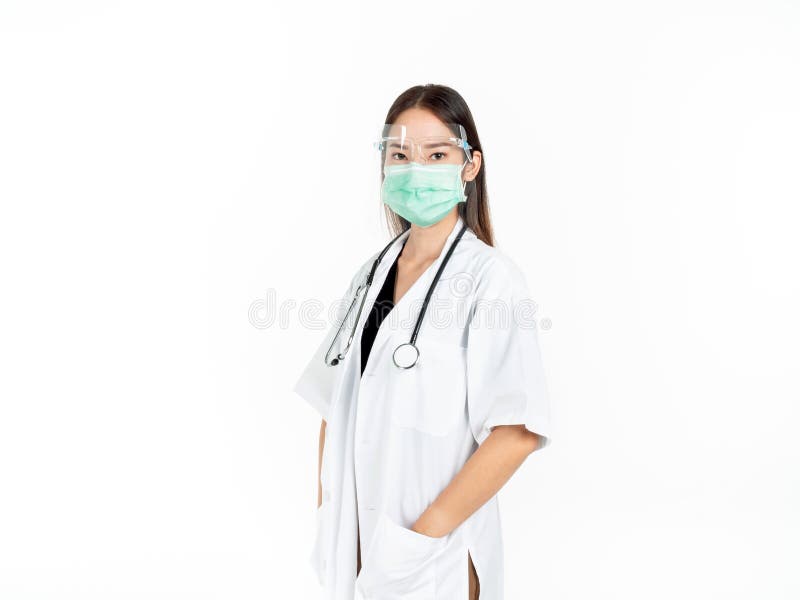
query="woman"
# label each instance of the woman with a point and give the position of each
(416, 439)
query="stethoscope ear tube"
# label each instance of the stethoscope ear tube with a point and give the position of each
(365, 286)
(433, 285)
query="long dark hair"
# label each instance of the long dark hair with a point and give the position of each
(450, 107)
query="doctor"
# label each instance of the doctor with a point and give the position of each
(431, 391)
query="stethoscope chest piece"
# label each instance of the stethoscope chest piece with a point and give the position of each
(405, 355)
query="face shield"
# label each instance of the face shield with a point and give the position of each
(396, 146)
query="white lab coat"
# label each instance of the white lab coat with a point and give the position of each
(395, 437)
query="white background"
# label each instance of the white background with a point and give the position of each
(164, 165)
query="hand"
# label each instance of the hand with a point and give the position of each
(431, 523)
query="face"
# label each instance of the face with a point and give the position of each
(426, 141)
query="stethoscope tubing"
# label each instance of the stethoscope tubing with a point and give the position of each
(412, 342)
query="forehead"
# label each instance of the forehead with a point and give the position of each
(418, 123)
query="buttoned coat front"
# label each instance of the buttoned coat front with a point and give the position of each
(395, 438)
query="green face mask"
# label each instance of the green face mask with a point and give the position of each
(423, 194)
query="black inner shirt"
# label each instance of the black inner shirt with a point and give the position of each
(384, 302)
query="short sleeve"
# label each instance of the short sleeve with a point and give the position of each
(317, 380)
(505, 376)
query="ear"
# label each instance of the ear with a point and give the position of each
(471, 169)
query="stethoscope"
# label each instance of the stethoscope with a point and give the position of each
(405, 355)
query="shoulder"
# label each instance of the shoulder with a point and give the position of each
(492, 270)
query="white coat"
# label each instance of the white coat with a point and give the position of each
(395, 437)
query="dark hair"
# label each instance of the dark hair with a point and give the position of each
(449, 107)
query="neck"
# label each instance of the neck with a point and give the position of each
(426, 243)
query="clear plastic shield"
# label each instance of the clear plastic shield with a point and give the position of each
(396, 146)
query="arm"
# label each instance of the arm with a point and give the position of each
(481, 477)
(505, 389)
(319, 463)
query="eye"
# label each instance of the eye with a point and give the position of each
(441, 155)
(398, 156)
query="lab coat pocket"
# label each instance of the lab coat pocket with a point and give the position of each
(318, 558)
(400, 563)
(431, 396)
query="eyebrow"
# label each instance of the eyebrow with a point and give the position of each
(438, 144)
